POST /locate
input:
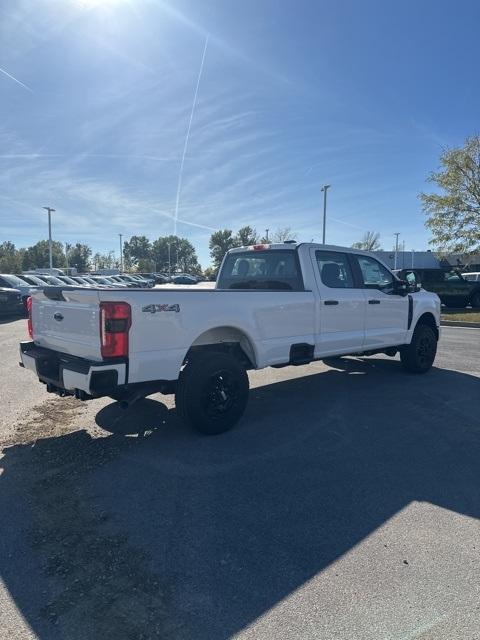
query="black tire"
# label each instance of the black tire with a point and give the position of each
(212, 392)
(419, 355)
(475, 300)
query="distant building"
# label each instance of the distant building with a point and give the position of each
(409, 259)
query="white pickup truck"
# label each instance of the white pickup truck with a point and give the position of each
(273, 305)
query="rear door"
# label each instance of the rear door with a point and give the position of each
(340, 317)
(386, 320)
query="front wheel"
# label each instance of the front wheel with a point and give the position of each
(212, 392)
(418, 356)
(475, 300)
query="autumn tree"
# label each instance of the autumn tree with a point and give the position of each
(453, 211)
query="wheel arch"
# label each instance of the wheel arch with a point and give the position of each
(428, 319)
(229, 339)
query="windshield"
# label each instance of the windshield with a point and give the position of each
(271, 269)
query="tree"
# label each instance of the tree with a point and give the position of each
(453, 215)
(220, 242)
(245, 237)
(175, 254)
(369, 242)
(105, 260)
(37, 256)
(137, 249)
(78, 256)
(10, 258)
(282, 234)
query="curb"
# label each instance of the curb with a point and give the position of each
(459, 323)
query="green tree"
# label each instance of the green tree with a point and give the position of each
(137, 249)
(220, 242)
(369, 242)
(245, 237)
(175, 253)
(210, 273)
(36, 256)
(10, 258)
(453, 215)
(78, 256)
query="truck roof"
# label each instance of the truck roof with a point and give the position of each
(293, 246)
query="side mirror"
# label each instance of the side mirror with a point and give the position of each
(401, 287)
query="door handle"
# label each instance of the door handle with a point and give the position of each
(330, 302)
(374, 301)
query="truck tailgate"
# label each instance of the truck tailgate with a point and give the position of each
(67, 320)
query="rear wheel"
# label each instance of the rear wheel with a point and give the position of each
(419, 355)
(212, 392)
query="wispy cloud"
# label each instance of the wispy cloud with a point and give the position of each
(187, 137)
(22, 84)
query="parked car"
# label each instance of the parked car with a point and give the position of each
(34, 280)
(450, 286)
(137, 281)
(472, 276)
(273, 305)
(10, 281)
(11, 302)
(184, 279)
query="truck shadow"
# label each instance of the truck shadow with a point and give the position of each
(173, 535)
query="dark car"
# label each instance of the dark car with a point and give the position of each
(450, 286)
(11, 302)
(184, 279)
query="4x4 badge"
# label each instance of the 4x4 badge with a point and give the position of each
(155, 308)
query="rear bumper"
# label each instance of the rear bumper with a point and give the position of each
(69, 375)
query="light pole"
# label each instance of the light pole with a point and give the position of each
(413, 253)
(396, 249)
(266, 234)
(169, 262)
(50, 257)
(324, 189)
(121, 253)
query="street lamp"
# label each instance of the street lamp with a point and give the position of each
(50, 257)
(169, 261)
(324, 189)
(121, 253)
(396, 249)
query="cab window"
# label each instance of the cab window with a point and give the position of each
(334, 268)
(375, 275)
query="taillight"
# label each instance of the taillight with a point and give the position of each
(29, 321)
(115, 321)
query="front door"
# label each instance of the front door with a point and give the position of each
(340, 317)
(386, 321)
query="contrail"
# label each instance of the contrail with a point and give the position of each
(15, 80)
(187, 137)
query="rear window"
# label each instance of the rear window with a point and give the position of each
(271, 270)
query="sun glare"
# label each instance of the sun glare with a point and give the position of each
(94, 4)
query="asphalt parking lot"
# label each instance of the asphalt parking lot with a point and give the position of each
(345, 505)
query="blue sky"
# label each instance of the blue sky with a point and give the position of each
(292, 95)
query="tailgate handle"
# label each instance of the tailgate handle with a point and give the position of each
(374, 301)
(330, 302)
(58, 316)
